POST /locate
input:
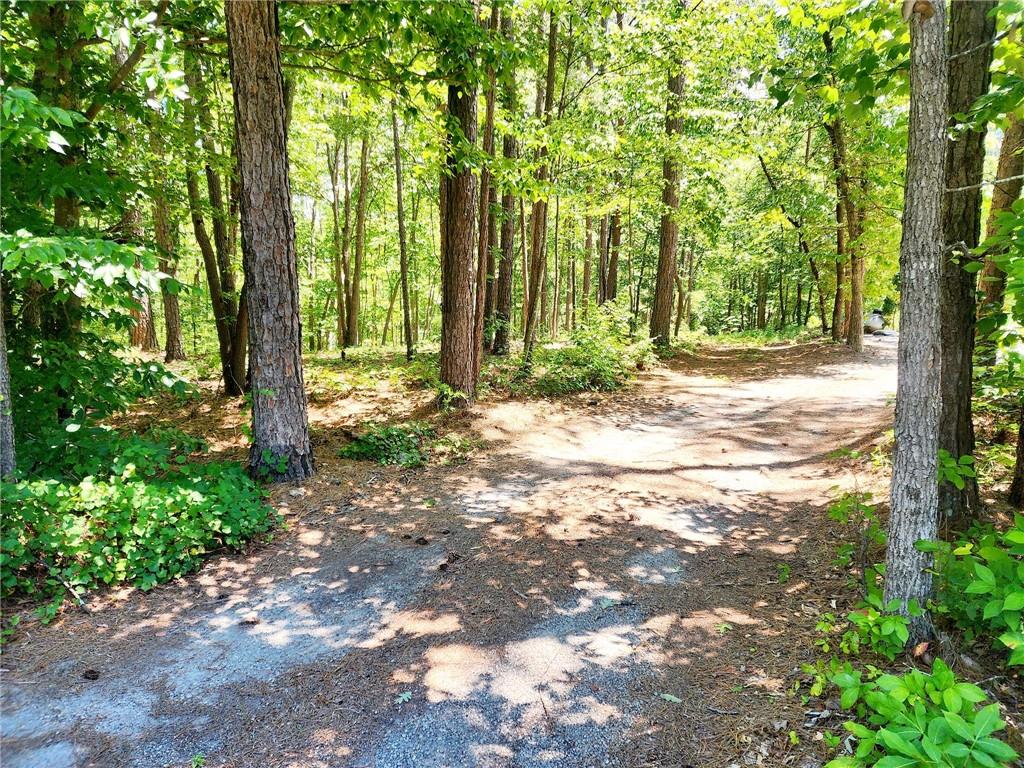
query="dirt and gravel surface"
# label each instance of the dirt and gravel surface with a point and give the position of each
(627, 579)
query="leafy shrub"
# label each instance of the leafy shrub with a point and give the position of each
(406, 446)
(602, 356)
(136, 511)
(981, 584)
(920, 719)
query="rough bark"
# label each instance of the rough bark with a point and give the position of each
(1017, 484)
(661, 309)
(484, 230)
(538, 220)
(403, 256)
(506, 263)
(7, 450)
(355, 274)
(280, 432)
(1011, 166)
(457, 212)
(914, 490)
(848, 210)
(971, 25)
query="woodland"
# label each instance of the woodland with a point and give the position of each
(512, 382)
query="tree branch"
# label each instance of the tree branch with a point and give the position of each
(985, 184)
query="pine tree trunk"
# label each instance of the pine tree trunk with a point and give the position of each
(1011, 166)
(7, 452)
(538, 220)
(914, 491)
(484, 228)
(661, 308)
(458, 209)
(506, 264)
(1017, 484)
(403, 256)
(280, 432)
(971, 26)
(355, 275)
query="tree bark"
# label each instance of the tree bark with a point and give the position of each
(538, 220)
(588, 260)
(457, 212)
(661, 309)
(848, 210)
(165, 242)
(340, 291)
(355, 274)
(484, 230)
(914, 490)
(1004, 194)
(403, 256)
(7, 451)
(971, 26)
(1017, 484)
(506, 264)
(280, 432)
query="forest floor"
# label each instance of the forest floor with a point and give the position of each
(623, 579)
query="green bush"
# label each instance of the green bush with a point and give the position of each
(121, 509)
(406, 446)
(980, 584)
(601, 356)
(920, 720)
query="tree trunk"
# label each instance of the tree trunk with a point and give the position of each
(355, 275)
(538, 220)
(661, 308)
(340, 291)
(7, 453)
(165, 243)
(506, 265)
(458, 209)
(611, 290)
(838, 305)
(848, 211)
(403, 256)
(484, 230)
(1017, 485)
(588, 260)
(971, 26)
(1004, 194)
(280, 432)
(914, 491)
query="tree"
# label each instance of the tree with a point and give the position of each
(972, 27)
(661, 311)
(280, 433)
(458, 209)
(1005, 192)
(506, 263)
(403, 255)
(7, 452)
(539, 216)
(354, 276)
(486, 221)
(914, 490)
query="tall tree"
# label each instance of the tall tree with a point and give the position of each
(538, 219)
(403, 256)
(354, 276)
(661, 310)
(7, 452)
(1005, 192)
(972, 26)
(506, 263)
(914, 491)
(164, 237)
(458, 203)
(280, 432)
(485, 224)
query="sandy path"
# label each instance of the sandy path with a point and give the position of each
(525, 609)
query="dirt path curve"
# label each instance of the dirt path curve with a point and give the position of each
(529, 608)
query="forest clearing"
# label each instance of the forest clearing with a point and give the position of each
(511, 383)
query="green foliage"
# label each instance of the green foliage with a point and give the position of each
(600, 357)
(953, 471)
(404, 445)
(920, 719)
(980, 584)
(121, 509)
(872, 624)
(57, 387)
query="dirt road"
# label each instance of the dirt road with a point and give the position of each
(628, 579)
